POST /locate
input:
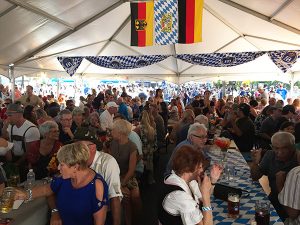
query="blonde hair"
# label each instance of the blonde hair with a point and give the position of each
(123, 127)
(72, 154)
(148, 129)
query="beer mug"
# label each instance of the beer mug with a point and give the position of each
(7, 199)
(262, 212)
(13, 180)
(12, 174)
(233, 205)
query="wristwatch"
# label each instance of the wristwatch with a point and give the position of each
(54, 210)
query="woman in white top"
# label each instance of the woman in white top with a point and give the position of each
(184, 192)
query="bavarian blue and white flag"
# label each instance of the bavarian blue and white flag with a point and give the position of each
(220, 59)
(126, 62)
(70, 64)
(284, 60)
(165, 22)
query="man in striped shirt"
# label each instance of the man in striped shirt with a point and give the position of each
(289, 196)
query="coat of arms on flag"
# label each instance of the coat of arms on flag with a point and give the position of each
(142, 23)
(166, 25)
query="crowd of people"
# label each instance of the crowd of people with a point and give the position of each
(106, 147)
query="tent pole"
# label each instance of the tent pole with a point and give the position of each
(39, 12)
(223, 89)
(11, 75)
(68, 33)
(115, 34)
(22, 84)
(261, 16)
(292, 82)
(58, 88)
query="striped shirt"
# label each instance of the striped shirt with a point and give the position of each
(290, 194)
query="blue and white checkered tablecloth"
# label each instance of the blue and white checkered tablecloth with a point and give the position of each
(243, 181)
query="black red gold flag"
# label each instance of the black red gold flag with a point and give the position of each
(142, 23)
(190, 21)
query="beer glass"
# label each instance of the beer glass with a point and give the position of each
(12, 174)
(233, 205)
(13, 180)
(230, 172)
(7, 200)
(262, 212)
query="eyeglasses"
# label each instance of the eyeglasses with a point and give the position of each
(200, 136)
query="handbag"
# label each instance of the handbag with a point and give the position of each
(221, 191)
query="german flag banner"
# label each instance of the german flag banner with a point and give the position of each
(190, 21)
(142, 17)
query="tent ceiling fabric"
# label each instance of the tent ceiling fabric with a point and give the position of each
(34, 33)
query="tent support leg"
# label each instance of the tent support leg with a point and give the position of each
(11, 75)
(58, 88)
(292, 82)
(223, 89)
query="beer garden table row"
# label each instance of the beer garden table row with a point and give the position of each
(243, 181)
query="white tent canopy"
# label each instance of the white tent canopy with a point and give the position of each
(34, 33)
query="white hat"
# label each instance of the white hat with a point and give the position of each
(112, 104)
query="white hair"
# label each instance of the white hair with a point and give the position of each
(285, 138)
(46, 127)
(196, 127)
(201, 119)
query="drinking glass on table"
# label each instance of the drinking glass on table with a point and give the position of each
(262, 212)
(13, 176)
(7, 199)
(233, 205)
(230, 172)
(223, 157)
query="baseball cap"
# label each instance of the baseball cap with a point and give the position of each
(14, 108)
(288, 108)
(85, 134)
(112, 104)
(245, 108)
